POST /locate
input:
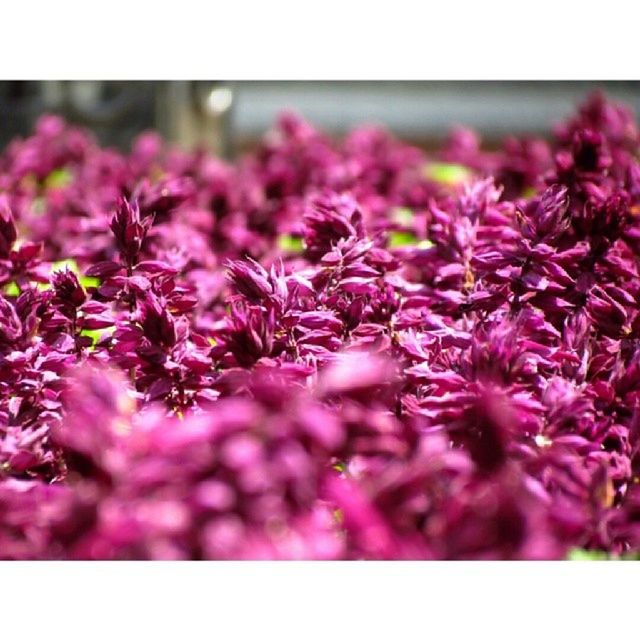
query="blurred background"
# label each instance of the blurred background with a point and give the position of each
(229, 117)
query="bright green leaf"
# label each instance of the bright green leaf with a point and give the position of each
(72, 265)
(447, 173)
(290, 244)
(583, 554)
(96, 334)
(69, 263)
(89, 281)
(407, 239)
(12, 289)
(86, 281)
(402, 239)
(58, 178)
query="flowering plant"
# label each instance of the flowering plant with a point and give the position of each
(325, 350)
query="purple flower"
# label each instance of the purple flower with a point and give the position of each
(251, 280)
(326, 349)
(251, 334)
(546, 219)
(129, 230)
(8, 233)
(161, 199)
(329, 219)
(68, 292)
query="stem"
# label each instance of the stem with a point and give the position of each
(130, 296)
(517, 287)
(76, 335)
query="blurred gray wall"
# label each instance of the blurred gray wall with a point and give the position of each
(231, 116)
(420, 110)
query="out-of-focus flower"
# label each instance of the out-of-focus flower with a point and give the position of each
(327, 220)
(8, 233)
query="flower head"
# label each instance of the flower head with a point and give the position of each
(129, 229)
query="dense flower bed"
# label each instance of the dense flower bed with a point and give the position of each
(325, 350)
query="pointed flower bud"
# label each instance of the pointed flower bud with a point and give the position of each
(129, 230)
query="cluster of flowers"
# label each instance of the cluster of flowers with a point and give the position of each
(326, 350)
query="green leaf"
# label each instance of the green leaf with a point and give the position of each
(402, 215)
(72, 265)
(89, 281)
(402, 239)
(583, 554)
(633, 557)
(58, 178)
(290, 244)
(447, 173)
(96, 334)
(12, 289)
(407, 239)
(69, 263)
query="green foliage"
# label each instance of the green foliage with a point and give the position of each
(447, 173)
(406, 239)
(290, 244)
(58, 178)
(591, 555)
(402, 239)
(12, 289)
(96, 335)
(583, 554)
(72, 265)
